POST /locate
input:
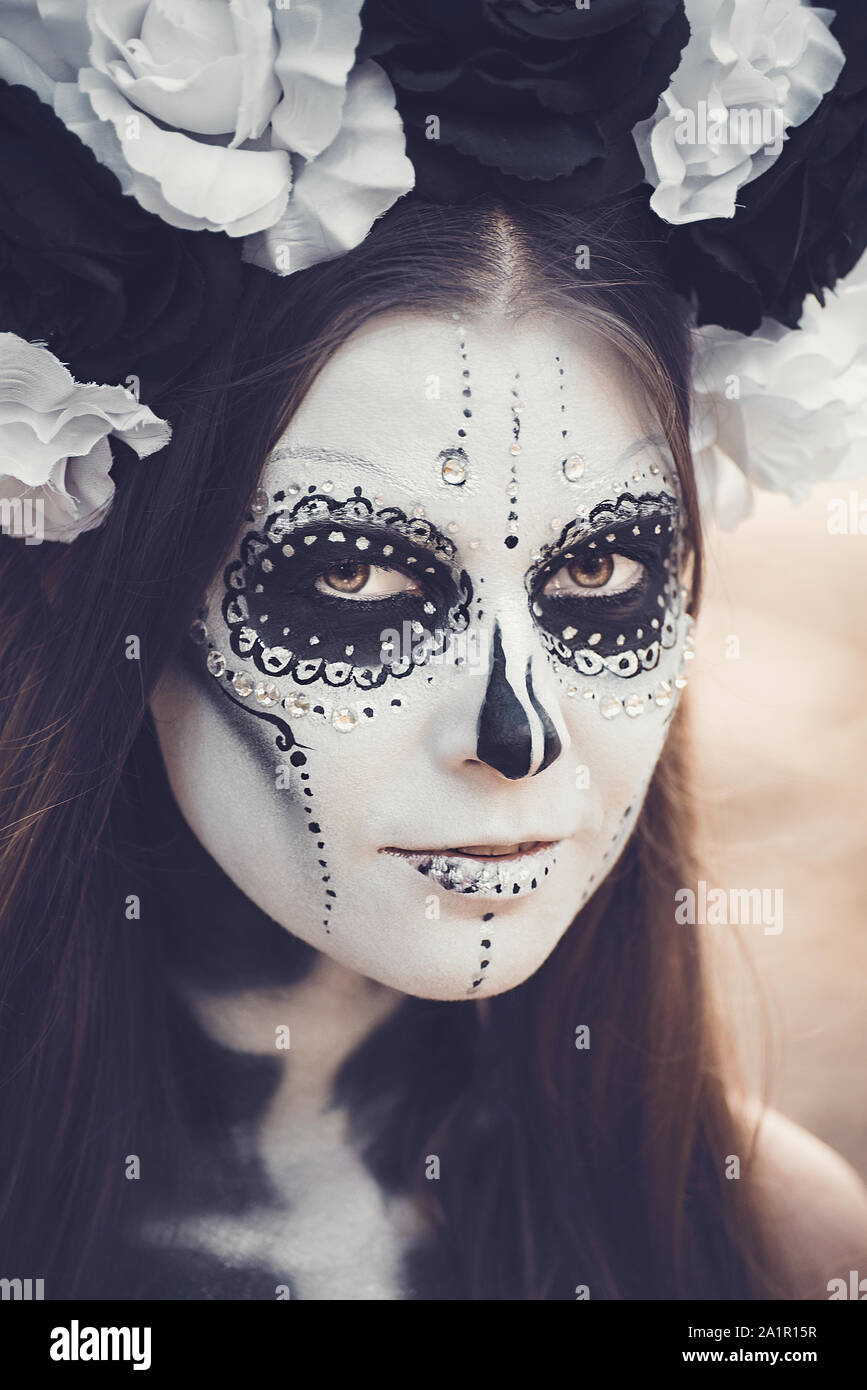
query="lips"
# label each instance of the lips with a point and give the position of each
(489, 871)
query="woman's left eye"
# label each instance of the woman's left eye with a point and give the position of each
(353, 580)
(596, 574)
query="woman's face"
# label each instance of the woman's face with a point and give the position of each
(420, 715)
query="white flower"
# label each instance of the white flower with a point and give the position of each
(338, 196)
(54, 434)
(206, 110)
(782, 408)
(752, 69)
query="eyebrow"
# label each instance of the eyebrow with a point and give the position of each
(316, 455)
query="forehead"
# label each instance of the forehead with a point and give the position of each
(517, 397)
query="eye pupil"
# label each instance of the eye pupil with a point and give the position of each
(592, 572)
(348, 577)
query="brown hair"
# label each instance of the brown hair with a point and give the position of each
(603, 1169)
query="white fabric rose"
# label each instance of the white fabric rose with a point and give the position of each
(54, 440)
(752, 69)
(206, 110)
(782, 408)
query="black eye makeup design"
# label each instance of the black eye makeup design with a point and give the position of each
(315, 593)
(605, 596)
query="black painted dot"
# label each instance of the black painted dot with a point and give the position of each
(323, 863)
(315, 827)
(462, 434)
(468, 414)
(312, 487)
(357, 491)
(305, 776)
(278, 496)
(307, 791)
(476, 982)
(516, 887)
(395, 702)
(487, 917)
(546, 870)
(486, 945)
(298, 759)
(533, 883)
(484, 964)
(510, 542)
(320, 844)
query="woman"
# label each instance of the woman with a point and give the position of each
(345, 795)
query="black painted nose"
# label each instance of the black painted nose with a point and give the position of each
(505, 734)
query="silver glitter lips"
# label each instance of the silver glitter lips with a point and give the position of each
(491, 879)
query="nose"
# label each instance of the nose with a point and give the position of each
(517, 733)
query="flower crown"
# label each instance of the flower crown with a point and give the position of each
(151, 148)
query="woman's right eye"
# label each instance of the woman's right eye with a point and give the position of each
(353, 580)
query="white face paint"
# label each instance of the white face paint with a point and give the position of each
(433, 682)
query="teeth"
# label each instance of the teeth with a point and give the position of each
(495, 850)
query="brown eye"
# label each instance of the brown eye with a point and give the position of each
(592, 572)
(348, 578)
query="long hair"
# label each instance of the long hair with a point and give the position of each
(562, 1169)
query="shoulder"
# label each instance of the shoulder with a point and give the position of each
(814, 1202)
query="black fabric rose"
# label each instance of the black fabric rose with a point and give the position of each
(801, 225)
(533, 99)
(110, 288)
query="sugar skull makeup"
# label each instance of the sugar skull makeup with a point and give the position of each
(422, 703)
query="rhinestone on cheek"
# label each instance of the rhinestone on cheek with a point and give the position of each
(573, 468)
(243, 684)
(216, 663)
(296, 705)
(610, 707)
(454, 471)
(267, 693)
(198, 632)
(344, 720)
(634, 706)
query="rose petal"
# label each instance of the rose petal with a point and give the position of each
(186, 182)
(335, 201)
(54, 436)
(317, 41)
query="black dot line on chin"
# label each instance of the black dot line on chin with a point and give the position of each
(511, 539)
(315, 828)
(485, 961)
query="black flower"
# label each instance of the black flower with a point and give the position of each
(534, 99)
(801, 225)
(110, 288)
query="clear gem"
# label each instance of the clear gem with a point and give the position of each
(216, 663)
(288, 551)
(418, 513)
(243, 683)
(362, 543)
(267, 693)
(569, 633)
(198, 632)
(296, 705)
(634, 705)
(573, 468)
(328, 486)
(681, 681)
(515, 449)
(572, 692)
(260, 501)
(344, 720)
(610, 707)
(662, 693)
(454, 471)
(594, 638)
